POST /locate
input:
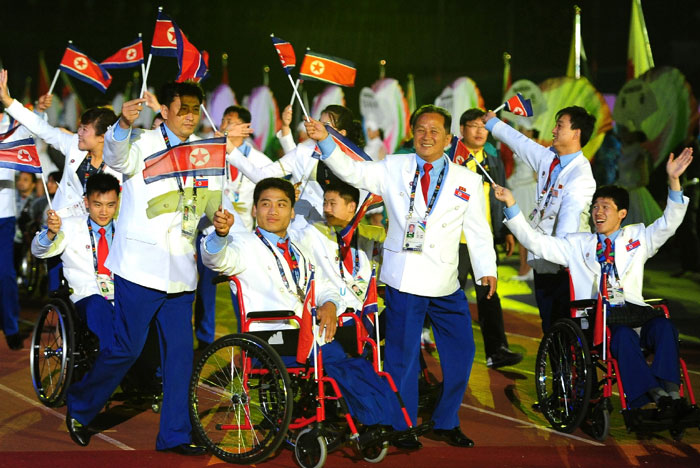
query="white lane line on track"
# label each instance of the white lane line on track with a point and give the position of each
(528, 423)
(107, 439)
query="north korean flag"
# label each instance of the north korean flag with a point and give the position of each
(196, 158)
(286, 53)
(20, 155)
(371, 200)
(369, 307)
(82, 67)
(164, 41)
(193, 63)
(126, 57)
(328, 69)
(348, 147)
(518, 105)
(308, 328)
(458, 154)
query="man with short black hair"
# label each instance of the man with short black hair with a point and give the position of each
(83, 242)
(441, 201)
(565, 185)
(618, 255)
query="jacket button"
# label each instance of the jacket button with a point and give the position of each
(456, 207)
(401, 194)
(165, 205)
(432, 246)
(444, 224)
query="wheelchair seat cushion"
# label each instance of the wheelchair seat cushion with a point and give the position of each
(632, 315)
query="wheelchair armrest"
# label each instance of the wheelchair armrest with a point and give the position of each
(656, 302)
(270, 314)
(220, 279)
(583, 303)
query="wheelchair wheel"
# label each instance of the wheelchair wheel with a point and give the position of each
(677, 434)
(563, 376)
(600, 423)
(376, 453)
(310, 449)
(51, 358)
(240, 399)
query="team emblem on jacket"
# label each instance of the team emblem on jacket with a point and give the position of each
(633, 244)
(461, 192)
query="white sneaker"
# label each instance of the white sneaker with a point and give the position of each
(529, 276)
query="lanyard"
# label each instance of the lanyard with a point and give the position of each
(340, 257)
(86, 176)
(92, 242)
(177, 178)
(295, 271)
(432, 198)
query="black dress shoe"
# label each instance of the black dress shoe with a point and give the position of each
(407, 442)
(15, 341)
(187, 449)
(78, 433)
(454, 437)
(503, 357)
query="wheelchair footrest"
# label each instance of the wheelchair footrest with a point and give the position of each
(649, 420)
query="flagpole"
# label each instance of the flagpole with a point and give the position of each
(55, 78)
(145, 74)
(46, 190)
(224, 180)
(482, 168)
(206, 114)
(577, 43)
(296, 93)
(499, 108)
(296, 85)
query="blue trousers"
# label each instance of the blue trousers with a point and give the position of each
(9, 296)
(135, 307)
(552, 296)
(205, 303)
(658, 335)
(98, 314)
(452, 327)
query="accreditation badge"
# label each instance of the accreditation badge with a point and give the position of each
(189, 218)
(414, 236)
(616, 296)
(106, 286)
(358, 288)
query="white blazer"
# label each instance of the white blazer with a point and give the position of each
(244, 186)
(149, 248)
(577, 251)
(72, 243)
(314, 238)
(568, 208)
(70, 190)
(263, 288)
(302, 167)
(432, 272)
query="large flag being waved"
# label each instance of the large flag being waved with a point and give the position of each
(308, 328)
(20, 155)
(78, 65)
(126, 57)
(196, 158)
(459, 153)
(347, 146)
(639, 58)
(286, 53)
(328, 69)
(164, 41)
(519, 105)
(193, 63)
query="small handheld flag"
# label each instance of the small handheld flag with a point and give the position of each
(126, 57)
(459, 153)
(20, 155)
(517, 105)
(347, 146)
(82, 67)
(286, 53)
(164, 41)
(329, 69)
(193, 63)
(307, 329)
(196, 158)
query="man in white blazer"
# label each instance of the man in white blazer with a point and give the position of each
(565, 185)
(430, 202)
(153, 261)
(274, 272)
(83, 244)
(83, 150)
(619, 254)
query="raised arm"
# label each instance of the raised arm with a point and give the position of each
(528, 150)
(50, 241)
(218, 253)
(55, 137)
(119, 153)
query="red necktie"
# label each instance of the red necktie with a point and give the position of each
(608, 251)
(555, 163)
(102, 252)
(425, 181)
(285, 253)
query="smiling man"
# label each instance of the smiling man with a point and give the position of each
(565, 186)
(618, 255)
(437, 201)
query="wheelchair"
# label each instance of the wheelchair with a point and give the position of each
(63, 349)
(245, 403)
(575, 379)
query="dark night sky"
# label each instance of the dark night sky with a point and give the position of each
(436, 40)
